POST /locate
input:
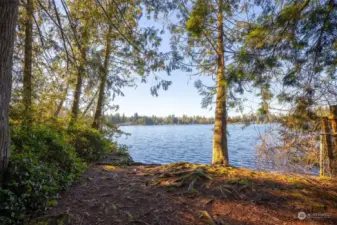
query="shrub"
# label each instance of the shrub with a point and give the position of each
(44, 161)
(89, 143)
(41, 165)
(51, 148)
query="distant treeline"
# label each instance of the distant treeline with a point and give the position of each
(136, 119)
(255, 118)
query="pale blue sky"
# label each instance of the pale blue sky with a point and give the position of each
(181, 97)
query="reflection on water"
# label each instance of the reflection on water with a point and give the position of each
(193, 143)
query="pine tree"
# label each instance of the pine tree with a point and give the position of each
(210, 34)
(300, 37)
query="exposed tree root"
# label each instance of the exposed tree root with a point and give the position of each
(186, 194)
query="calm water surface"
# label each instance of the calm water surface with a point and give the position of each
(193, 143)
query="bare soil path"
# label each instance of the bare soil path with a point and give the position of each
(185, 194)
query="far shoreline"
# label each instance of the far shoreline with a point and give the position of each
(146, 125)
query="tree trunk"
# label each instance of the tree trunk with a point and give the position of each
(220, 151)
(81, 70)
(98, 114)
(90, 104)
(77, 95)
(27, 72)
(333, 153)
(8, 19)
(325, 148)
(60, 105)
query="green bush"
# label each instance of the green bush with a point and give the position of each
(89, 143)
(44, 161)
(41, 165)
(51, 148)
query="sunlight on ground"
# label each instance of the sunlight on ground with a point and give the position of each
(110, 167)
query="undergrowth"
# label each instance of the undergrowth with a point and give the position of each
(46, 159)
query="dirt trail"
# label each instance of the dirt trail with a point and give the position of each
(191, 194)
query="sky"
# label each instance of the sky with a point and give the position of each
(181, 98)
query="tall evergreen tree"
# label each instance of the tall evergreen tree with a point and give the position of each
(209, 33)
(301, 38)
(8, 18)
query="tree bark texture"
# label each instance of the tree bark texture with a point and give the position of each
(27, 71)
(8, 20)
(220, 149)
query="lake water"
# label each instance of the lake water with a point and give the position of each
(166, 144)
(191, 143)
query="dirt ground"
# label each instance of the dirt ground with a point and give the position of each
(183, 193)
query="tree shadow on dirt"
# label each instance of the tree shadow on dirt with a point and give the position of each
(192, 194)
